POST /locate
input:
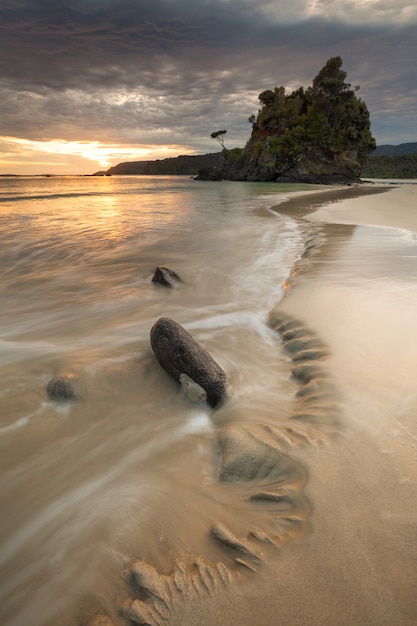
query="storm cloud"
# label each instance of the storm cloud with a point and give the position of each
(166, 72)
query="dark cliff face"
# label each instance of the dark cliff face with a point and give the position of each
(316, 166)
(316, 135)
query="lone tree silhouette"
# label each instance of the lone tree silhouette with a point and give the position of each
(219, 135)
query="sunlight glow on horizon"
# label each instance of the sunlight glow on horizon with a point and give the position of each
(28, 155)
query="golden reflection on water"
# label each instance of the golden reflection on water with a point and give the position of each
(96, 212)
(107, 216)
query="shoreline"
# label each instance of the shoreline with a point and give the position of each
(301, 204)
(354, 288)
(391, 204)
(357, 289)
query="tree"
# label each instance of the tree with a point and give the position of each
(337, 118)
(330, 81)
(219, 135)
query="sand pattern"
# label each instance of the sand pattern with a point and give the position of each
(255, 464)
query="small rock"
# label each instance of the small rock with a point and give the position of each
(64, 387)
(165, 276)
(192, 390)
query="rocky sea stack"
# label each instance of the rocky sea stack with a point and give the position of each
(317, 135)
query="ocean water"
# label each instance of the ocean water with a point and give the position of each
(86, 485)
(133, 470)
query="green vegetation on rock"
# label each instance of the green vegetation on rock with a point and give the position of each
(320, 134)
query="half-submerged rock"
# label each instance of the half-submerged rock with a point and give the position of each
(165, 276)
(179, 353)
(64, 387)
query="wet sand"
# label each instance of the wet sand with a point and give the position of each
(355, 288)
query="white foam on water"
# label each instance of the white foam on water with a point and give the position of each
(12, 351)
(24, 421)
(20, 423)
(198, 422)
(253, 321)
(276, 200)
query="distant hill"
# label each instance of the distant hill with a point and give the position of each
(402, 166)
(389, 161)
(180, 165)
(400, 150)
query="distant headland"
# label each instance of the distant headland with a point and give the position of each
(180, 165)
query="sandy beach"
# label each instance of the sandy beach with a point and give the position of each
(355, 561)
(357, 290)
(396, 208)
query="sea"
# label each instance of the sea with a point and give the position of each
(77, 256)
(129, 470)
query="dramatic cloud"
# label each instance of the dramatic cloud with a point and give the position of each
(167, 72)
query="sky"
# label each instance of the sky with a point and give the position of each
(87, 84)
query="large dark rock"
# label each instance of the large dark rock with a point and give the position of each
(165, 276)
(178, 353)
